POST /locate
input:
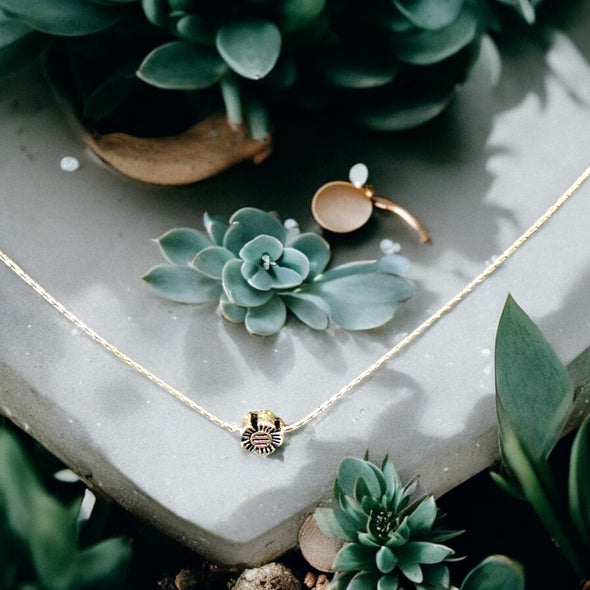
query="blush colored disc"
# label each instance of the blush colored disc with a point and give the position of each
(341, 207)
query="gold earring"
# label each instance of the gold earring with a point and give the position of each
(342, 207)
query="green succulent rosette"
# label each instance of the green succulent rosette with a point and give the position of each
(386, 64)
(391, 541)
(259, 272)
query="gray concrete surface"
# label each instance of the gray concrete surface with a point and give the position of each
(476, 177)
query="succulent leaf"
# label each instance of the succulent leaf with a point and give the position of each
(19, 45)
(354, 557)
(579, 482)
(211, 260)
(250, 48)
(296, 15)
(495, 573)
(260, 245)
(430, 14)
(238, 290)
(181, 245)
(248, 223)
(332, 526)
(216, 228)
(183, 284)
(316, 249)
(386, 559)
(266, 319)
(230, 311)
(307, 308)
(179, 65)
(422, 518)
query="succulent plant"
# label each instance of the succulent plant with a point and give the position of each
(258, 270)
(388, 64)
(391, 541)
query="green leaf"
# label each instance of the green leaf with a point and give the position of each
(385, 560)
(343, 71)
(231, 312)
(332, 527)
(363, 301)
(495, 573)
(62, 17)
(196, 29)
(424, 552)
(424, 47)
(260, 245)
(579, 483)
(311, 310)
(210, 261)
(247, 223)
(183, 284)
(19, 45)
(296, 15)
(250, 48)
(316, 249)
(237, 288)
(351, 469)
(108, 95)
(156, 11)
(422, 518)
(363, 581)
(216, 228)
(103, 564)
(430, 14)
(389, 582)
(507, 486)
(533, 389)
(181, 245)
(266, 319)
(354, 557)
(180, 65)
(436, 577)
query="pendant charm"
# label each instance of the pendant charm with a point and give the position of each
(262, 432)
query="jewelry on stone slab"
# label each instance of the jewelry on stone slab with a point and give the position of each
(343, 207)
(262, 433)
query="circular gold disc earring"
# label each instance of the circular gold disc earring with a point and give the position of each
(342, 207)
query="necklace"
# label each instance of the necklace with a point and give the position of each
(261, 432)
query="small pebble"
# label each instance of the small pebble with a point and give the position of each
(69, 164)
(389, 246)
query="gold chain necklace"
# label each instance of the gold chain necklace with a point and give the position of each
(261, 431)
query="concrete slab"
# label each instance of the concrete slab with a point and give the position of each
(477, 177)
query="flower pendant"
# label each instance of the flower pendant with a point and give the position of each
(262, 432)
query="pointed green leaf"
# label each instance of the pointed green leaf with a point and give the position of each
(183, 284)
(385, 560)
(156, 11)
(533, 389)
(237, 288)
(311, 310)
(364, 581)
(424, 552)
(182, 244)
(430, 14)
(423, 517)
(354, 557)
(579, 483)
(63, 17)
(425, 47)
(495, 573)
(250, 48)
(211, 260)
(266, 319)
(333, 527)
(284, 278)
(216, 228)
(179, 65)
(389, 582)
(316, 249)
(351, 469)
(436, 577)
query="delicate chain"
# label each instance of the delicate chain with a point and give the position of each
(348, 387)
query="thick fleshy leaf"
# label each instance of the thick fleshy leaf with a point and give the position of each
(534, 390)
(423, 517)
(256, 276)
(183, 284)
(397, 115)
(231, 312)
(259, 246)
(424, 552)
(579, 483)
(351, 469)
(266, 319)
(385, 560)
(430, 14)
(389, 581)
(495, 573)
(284, 278)
(436, 576)
(249, 222)
(156, 11)
(344, 71)
(211, 260)
(354, 557)
(341, 580)
(424, 47)
(364, 301)
(19, 45)
(295, 260)
(216, 228)
(393, 264)
(103, 564)
(411, 570)
(299, 14)
(194, 28)
(363, 581)
(182, 244)
(311, 310)
(316, 249)
(330, 526)
(108, 95)
(179, 65)
(64, 18)
(250, 48)
(237, 288)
